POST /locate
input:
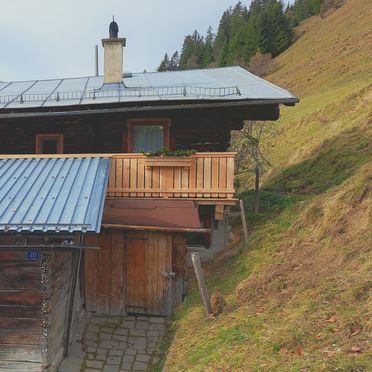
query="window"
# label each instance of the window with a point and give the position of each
(49, 144)
(148, 135)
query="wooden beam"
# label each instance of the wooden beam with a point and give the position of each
(219, 212)
(244, 221)
(195, 258)
(154, 228)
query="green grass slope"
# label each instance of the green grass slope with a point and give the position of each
(299, 296)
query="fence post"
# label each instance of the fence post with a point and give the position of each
(244, 221)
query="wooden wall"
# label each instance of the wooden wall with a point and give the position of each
(129, 273)
(60, 268)
(20, 314)
(206, 131)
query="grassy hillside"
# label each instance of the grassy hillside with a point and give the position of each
(299, 296)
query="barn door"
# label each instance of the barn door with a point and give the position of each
(148, 273)
(130, 273)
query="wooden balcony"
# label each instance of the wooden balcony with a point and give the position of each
(200, 176)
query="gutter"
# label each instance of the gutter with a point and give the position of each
(15, 115)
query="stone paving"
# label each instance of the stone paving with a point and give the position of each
(113, 344)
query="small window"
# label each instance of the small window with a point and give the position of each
(148, 135)
(49, 144)
(148, 138)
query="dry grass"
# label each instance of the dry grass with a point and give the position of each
(299, 298)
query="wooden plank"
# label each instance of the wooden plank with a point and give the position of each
(160, 306)
(20, 366)
(193, 176)
(167, 305)
(29, 353)
(222, 177)
(230, 174)
(154, 228)
(104, 273)
(219, 212)
(19, 325)
(148, 180)
(200, 177)
(126, 175)
(19, 338)
(215, 176)
(155, 181)
(133, 176)
(130, 277)
(207, 176)
(19, 275)
(112, 176)
(151, 267)
(168, 162)
(135, 283)
(166, 182)
(119, 174)
(30, 298)
(177, 180)
(141, 176)
(117, 280)
(140, 274)
(185, 181)
(14, 255)
(91, 274)
(20, 311)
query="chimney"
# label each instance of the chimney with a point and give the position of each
(113, 60)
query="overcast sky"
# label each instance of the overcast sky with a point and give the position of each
(43, 39)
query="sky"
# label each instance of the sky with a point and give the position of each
(44, 39)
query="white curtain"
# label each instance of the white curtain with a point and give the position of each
(148, 138)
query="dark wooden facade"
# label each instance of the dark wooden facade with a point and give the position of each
(201, 130)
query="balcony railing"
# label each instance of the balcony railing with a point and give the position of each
(200, 176)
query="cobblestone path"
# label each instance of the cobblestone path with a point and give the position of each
(112, 344)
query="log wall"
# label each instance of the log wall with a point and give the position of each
(20, 314)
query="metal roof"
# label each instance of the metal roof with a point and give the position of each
(227, 84)
(52, 193)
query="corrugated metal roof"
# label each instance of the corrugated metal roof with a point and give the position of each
(52, 193)
(227, 84)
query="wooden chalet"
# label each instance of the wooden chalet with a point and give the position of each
(153, 203)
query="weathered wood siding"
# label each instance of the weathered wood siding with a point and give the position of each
(104, 273)
(59, 283)
(20, 312)
(131, 271)
(149, 261)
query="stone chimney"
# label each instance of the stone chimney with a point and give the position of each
(113, 60)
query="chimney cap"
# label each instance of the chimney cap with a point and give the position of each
(113, 29)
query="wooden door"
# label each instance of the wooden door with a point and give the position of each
(104, 273)
(130, 273)
(148, 280)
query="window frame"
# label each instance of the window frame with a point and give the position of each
(165, 123)
(40, 138)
